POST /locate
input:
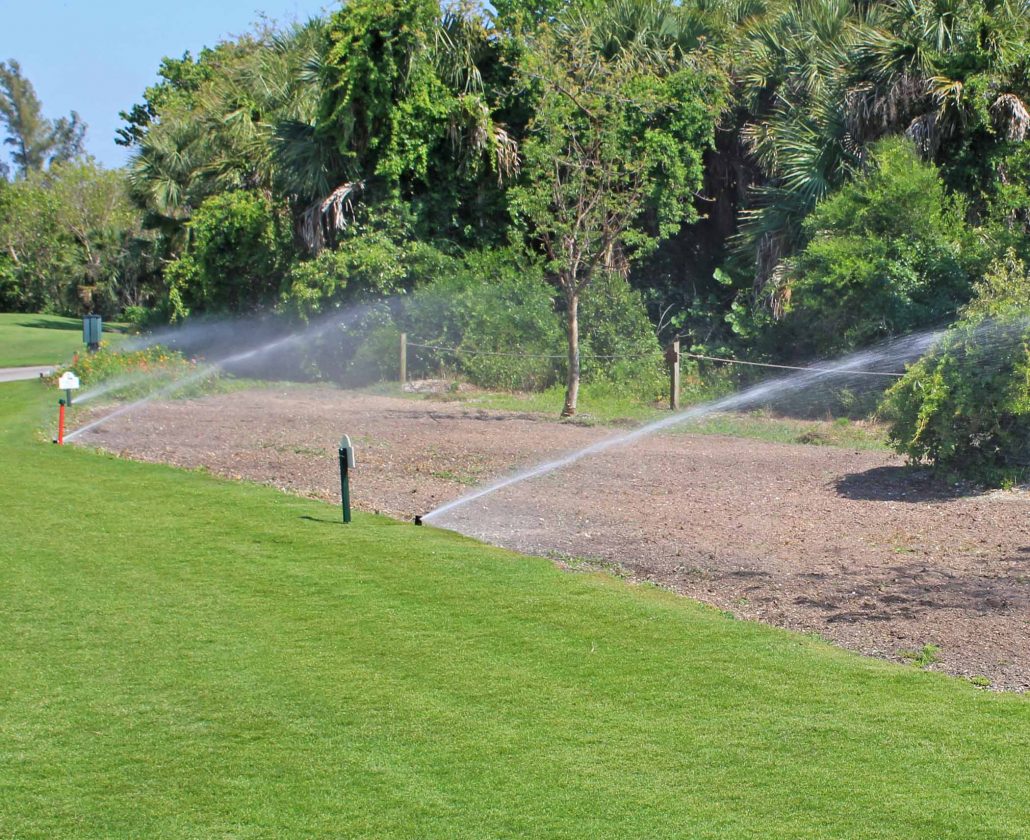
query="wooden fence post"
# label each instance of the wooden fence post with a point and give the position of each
(672, 356)
(404, 359)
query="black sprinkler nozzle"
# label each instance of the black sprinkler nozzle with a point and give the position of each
(418, 520)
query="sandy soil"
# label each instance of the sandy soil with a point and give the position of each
(847, 544)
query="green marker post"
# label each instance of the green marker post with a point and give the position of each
(346, 462)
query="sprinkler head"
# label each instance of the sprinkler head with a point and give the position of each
(418, 520)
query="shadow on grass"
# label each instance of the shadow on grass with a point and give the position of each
(75, 326)
(51, 325)
(322, 520)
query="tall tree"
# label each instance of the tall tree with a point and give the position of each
(36, 142)
(612, 159)
(71, 241)
(408, 114)
(818, 81)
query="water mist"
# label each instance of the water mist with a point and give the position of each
(863, 364)
(222, 336)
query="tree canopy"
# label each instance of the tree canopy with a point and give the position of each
(612, 157)
(35, 141)
(779, 179)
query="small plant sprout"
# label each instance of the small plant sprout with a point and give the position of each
(926, 656)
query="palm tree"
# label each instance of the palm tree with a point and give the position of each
(794, 122)
(818, 80)
(367, 133)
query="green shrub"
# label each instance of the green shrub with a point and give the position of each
(357, 352)
(361, 267)
(618, 342)
(240, 246)
(498, 313)
(488, 316)
(377, 358)
(1009, 197)
(965, 406)
(142, 318)
(365, 278)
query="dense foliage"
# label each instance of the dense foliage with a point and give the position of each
(72, 241)
(777, 179)
(240, 247)
(502, 334)
(966, 404)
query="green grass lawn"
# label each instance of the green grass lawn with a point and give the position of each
(188, 657)
(601, 407)
(759, 425)
(27, 339)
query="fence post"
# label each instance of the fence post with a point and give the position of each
(404, 359)
(672, 356)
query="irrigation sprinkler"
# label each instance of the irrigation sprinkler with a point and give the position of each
(92, 327)
(68, 382)
(59, 440)
(418, 520)
(346, 462)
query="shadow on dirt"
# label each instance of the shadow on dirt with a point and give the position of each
(417, 410)
(911, 590)
(902, 484)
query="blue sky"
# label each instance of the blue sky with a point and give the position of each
(97, 57)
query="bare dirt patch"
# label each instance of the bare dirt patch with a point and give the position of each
(847, 544)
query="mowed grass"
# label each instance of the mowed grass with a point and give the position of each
(188, 657)
(603, 408)
(27, 339)
(759, 425)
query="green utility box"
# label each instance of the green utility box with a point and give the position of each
(92, 328)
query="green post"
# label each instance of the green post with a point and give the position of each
(346, 462)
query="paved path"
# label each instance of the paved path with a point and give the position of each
(13, 374)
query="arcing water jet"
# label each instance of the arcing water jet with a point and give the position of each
(312, 332)
(860, 364)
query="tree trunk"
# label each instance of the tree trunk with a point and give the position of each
(572, 379)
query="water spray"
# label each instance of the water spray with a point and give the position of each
(211, 369)
(858, 364)
(116, 384)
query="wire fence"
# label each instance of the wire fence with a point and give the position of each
(521, 355)
(511, 374)
(612, 357)
(792, 367)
